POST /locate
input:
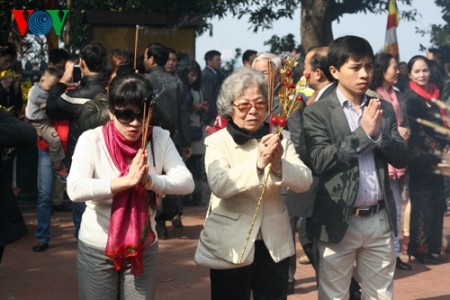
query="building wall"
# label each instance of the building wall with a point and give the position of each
(180, 39)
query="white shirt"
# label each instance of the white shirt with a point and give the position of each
(93, 169)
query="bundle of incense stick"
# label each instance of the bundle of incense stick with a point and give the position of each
(289, 104)
(443, 118)
(438, 128)
(271, 87)
(441, 104)
(148, 110)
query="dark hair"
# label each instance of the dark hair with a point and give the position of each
(320, 61)
(132, 90)
(210, 55)
(118, 59)
(53, 71)
(128, 90)
(192, 66)
(8, 49)
(437, 73)
(381, 64)
(94, 55)
(171, 50)
(415, 58)
(159, 52)
(437, 53)
(57, 55)
(247, 54)
(341, 49)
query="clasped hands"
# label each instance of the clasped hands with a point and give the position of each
(270, 150)
(138, 173)
(371, 118)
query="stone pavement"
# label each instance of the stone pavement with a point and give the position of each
(51, 275)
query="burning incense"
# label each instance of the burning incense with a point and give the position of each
(148, 111)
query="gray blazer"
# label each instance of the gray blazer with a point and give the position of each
(333, 150)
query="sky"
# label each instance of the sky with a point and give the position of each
(231, 33)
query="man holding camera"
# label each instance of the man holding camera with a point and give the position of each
(65, 103)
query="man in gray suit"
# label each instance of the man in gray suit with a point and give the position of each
(349, 140)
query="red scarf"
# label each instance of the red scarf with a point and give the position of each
(129, 227)
(431, 92)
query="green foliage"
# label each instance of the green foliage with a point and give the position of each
(439, 34)
(229, 66)
(260, 14)
(286, 43)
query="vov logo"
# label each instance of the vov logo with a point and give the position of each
(40, 22)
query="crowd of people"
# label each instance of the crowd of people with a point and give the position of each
(136, 145)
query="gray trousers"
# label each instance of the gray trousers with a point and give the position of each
(98, 280)
(46, 130)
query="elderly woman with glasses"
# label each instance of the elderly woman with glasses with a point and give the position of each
(119, 181)
(236, 161)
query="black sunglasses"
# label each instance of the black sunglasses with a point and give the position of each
(127, 115)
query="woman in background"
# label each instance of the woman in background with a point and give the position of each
(384, 78)
(190, 76)
(426, 188)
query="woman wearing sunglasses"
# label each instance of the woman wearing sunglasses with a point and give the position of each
(236, 160)
(120, 182)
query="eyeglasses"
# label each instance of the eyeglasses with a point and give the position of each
(246, 106)
(127, 115)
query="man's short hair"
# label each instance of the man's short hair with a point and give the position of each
(319, 60)
(159, 52)
(57, 55)
(247, 54)
(94, 55)
(210, 55)
(341, 49)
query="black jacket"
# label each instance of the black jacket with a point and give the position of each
(169, 97)
(67, 105)
(13, 133)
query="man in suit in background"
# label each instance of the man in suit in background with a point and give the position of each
(169, 97)
(211, 80)
(349, 140)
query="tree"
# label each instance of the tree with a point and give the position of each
(316, 15)
(440, 34)
(286, 43)
(228, 67)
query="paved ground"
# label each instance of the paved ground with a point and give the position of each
(50, 275)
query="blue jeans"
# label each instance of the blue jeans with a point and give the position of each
(46, 180)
